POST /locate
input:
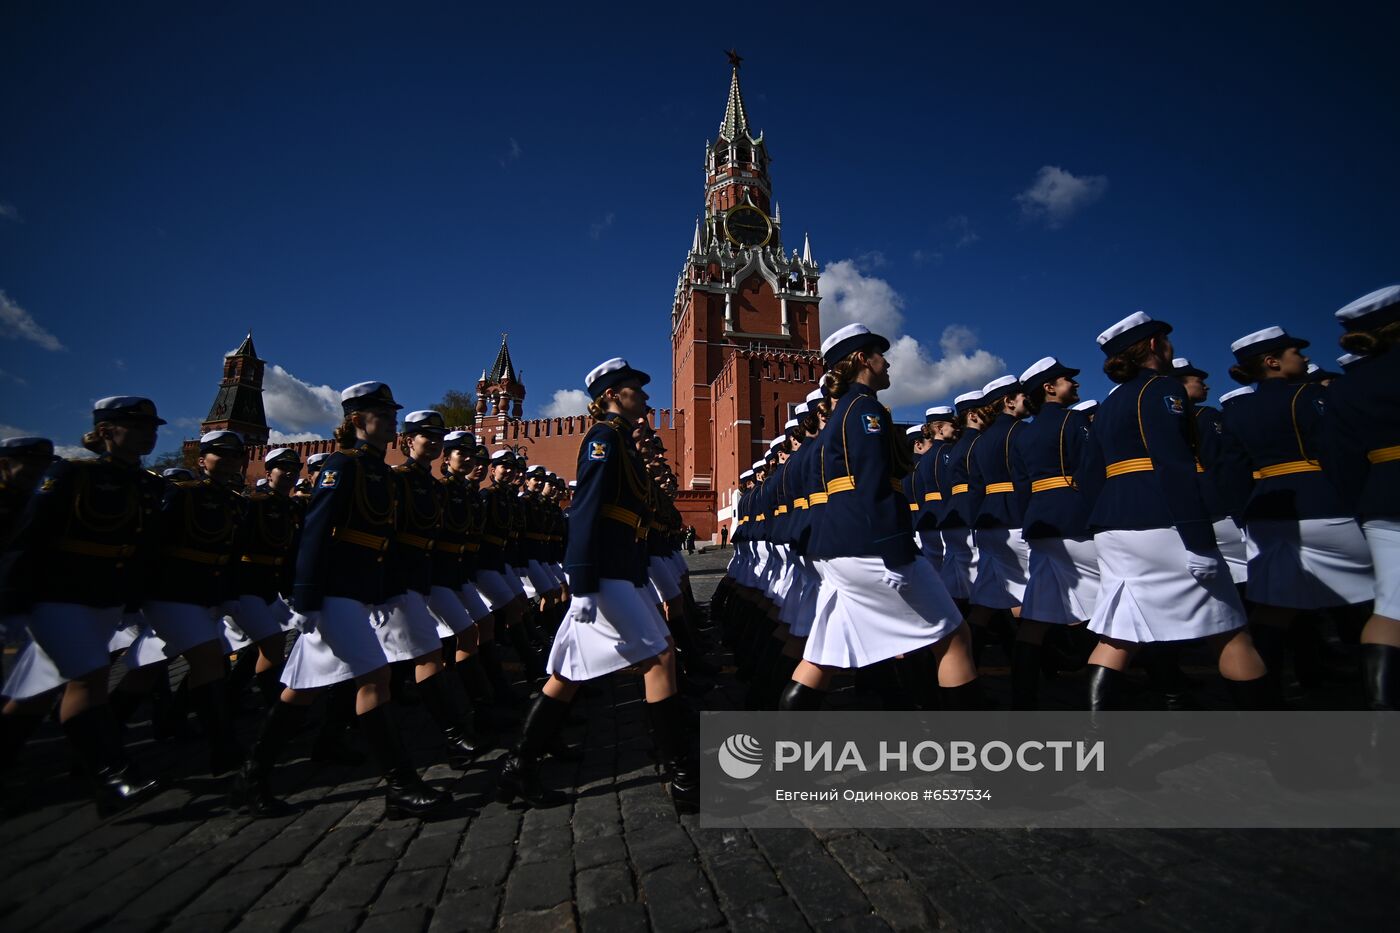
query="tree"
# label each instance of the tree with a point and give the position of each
(457, 408)
(171, 458)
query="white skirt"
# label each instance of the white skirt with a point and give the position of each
(342, 646)
(494, 588)
(409, 631)
(959, 562)
(34, 673)
(1229, 537)
(1063, 587)
(471, 601)
(678, 561)
(859, 621)
(1383, 538)
(626, 631)
(124, 636)
(783, 574)
(1003, 566)
(171, 629)
(663, 579)
(761, 556)
(249, 619)
(542, 579)
(448, 612)
(1146, 594)
(1309, 564)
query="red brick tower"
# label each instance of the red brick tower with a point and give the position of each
(745, 332)
(239, 405)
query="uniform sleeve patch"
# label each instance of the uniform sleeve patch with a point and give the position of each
(1321, 405)
(329, 478)
(48, 484)
(1175, 404)
(597, 450)
(872, 424)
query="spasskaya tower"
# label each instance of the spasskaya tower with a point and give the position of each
(745, 334)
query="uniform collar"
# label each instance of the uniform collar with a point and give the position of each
(861, 389)
(366, 447)
(1048, 406)
(418, 465)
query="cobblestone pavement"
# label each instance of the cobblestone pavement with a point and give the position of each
(618, 859)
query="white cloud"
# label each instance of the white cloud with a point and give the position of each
(18, 380)
(916, 376)
(1056, 195)
(299, 406)
(512, 153)
(961, 228)
(9, 212)
(67, 451)
(871, 260)
(566, 402)
(18, 324)
(596, 230)
(277, 437)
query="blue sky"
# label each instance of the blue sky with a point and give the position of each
(379, 192)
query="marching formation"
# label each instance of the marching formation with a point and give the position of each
(394, 581)
(1117, 531)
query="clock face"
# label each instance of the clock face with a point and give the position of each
(747, 226)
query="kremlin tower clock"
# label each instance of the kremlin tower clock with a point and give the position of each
(745, 334)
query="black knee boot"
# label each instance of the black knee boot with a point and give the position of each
(520, 775)
(798, 697)
(1025, 675)
(778, 678)
(252, 791)
(529, 658)
(1105, 684)
(332, 745)
(963, 697)
(500, 685)
(269, 687)
(1162, 662)
(207, 700)
(96, 737)
(462, 744)
(1261, 693)
(239, 676)
(677, 749)
(15, 730)
(473, 677)
(1271, 641)
(124, 704)
(761, 681)
(1380, 676)
(405, 794)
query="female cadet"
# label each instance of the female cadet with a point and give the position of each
(81, 554)
(877, 599)
(960, 501)
(940, 432)
(339, 590)
(411, 633)
(262, 572)
(1003, 560)
(611, 624)
(1062, 586)
(1223, 508)
(495, 577)
(454, 562)
(1161, 576)
(200, 520)
(1362, 454)
(1306, 548)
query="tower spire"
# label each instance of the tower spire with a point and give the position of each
(736, 119)
(806, 248)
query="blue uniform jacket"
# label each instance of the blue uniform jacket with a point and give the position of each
(455, 532)
(960, 499)
(417, 515)
(799, 518)
(267, 545)
(1139, 467)
(1276, 433)
(1223, 494)
(349, 530)
(1362, 449)
(88, 535)
(1003, 503)
(1044, 456)
(866, 514)
(609, 507)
